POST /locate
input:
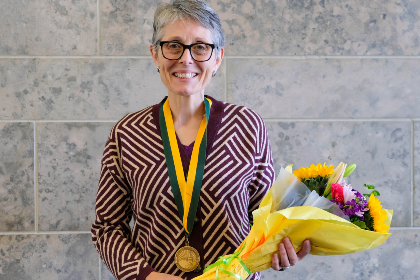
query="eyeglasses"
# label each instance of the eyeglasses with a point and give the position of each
(200, 52)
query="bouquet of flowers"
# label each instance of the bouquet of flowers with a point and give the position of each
(364, 210)
(311, 203)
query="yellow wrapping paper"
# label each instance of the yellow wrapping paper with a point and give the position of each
(328, 233)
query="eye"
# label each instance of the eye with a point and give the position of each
(174, 46)
(200, 47)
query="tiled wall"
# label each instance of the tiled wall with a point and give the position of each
(334, 80)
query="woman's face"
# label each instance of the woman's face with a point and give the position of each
(199, 73)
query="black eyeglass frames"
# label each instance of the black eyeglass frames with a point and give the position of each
(200, 52)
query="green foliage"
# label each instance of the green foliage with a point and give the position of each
(368, 220)
(349, 170)
(318, 184)
(360, 224)
(376, 193)
(371, 187)
(367, 224)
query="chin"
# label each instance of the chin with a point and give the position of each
(186, 92)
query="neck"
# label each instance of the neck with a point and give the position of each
(186, 108)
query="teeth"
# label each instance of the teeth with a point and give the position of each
(185, 75)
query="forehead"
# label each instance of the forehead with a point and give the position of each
(186, 31)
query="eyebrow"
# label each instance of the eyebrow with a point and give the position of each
(177, 38)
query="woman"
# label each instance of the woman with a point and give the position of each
(189, 170)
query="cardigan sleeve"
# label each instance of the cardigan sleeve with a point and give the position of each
(111, 233)
(263, 175)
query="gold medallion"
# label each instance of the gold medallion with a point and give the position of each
(187, 258)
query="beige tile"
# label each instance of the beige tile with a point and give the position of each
(96, 88)
(47, 27)
(17, 177)
(381, 150)
(416, 173)
(100, 88)
(18, 89)
(49, 256)
(69, 164)
(127, 26)
(326, 88)
(354, 27)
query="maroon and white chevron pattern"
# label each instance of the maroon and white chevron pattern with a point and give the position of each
(134, 182)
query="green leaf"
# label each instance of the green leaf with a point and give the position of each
(349, 170)
(368, 220)
(376, 193)
(317, 184)
(360, 224)
(370, 187)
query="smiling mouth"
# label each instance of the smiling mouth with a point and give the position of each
(185, 75)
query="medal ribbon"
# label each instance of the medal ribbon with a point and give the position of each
(186, 192)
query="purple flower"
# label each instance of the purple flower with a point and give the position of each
(359, 213)
(354, 202)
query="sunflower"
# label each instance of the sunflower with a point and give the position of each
(314, 171)
(379, 216)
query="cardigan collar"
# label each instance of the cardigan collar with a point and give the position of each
(216, 114)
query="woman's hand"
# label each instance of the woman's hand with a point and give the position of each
(288, 256)
(161, 276)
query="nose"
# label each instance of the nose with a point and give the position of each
(186, 57)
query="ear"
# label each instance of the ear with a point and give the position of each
(219, 59)
(154, 55)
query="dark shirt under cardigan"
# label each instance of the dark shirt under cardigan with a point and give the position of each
(134, 182)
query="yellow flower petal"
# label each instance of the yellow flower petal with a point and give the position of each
(379, 216)
(313, 171)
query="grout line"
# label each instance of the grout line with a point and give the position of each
(412, 174)
(59, 121)
(225, 80)
(340, 120)
(291, 57)
(404, 228)
(17, 121)
(35, 179)
(298, 57)
(76, 57)
(43, 232)
(265, 119)
(76, 121)
(99, 28)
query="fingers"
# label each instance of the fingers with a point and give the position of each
(275, 262)
(291, 256)
(305, 249)
(284, 259)
(288, 256)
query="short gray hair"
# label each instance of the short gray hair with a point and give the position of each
(196, 10)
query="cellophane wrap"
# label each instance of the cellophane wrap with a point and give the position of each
(329, 234)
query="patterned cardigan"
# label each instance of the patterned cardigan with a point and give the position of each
(134, 183)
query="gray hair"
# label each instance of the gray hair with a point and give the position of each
(196, 10)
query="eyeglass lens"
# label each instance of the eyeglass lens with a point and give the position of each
(200, 52)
